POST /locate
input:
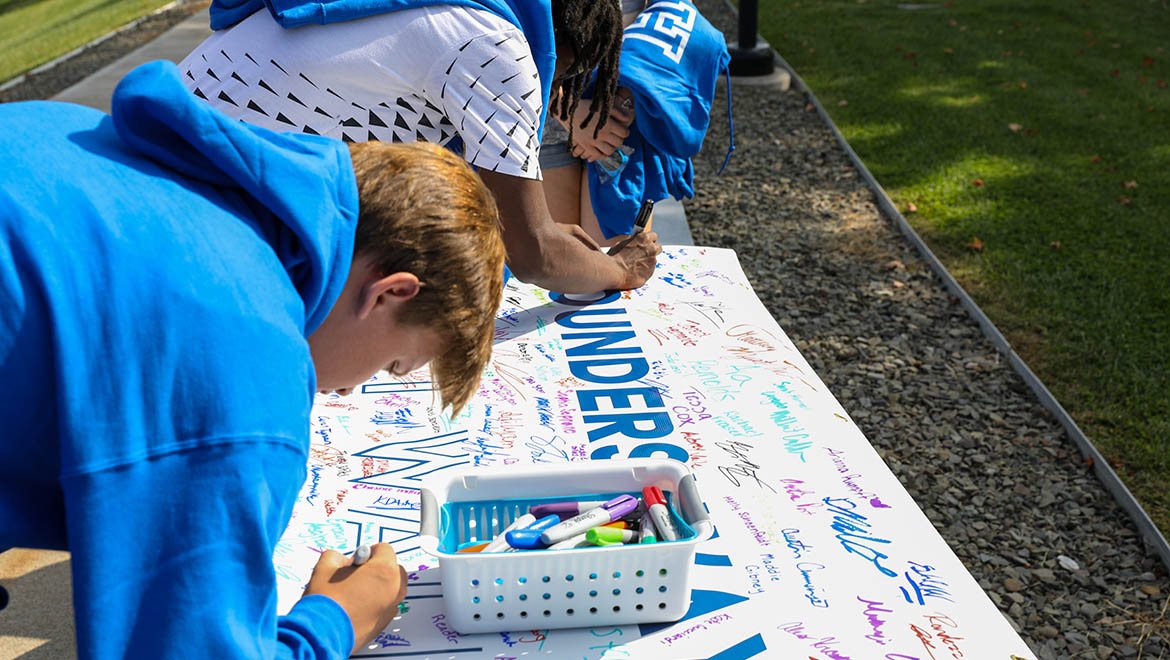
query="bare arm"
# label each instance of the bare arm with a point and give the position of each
(542, 253)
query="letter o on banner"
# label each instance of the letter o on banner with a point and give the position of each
(564, 299)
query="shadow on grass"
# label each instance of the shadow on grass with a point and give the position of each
(1043, 131)
(10, 6)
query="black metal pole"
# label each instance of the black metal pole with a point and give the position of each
(749, 23)
(748, 59)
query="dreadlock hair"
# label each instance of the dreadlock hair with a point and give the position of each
(593, 28)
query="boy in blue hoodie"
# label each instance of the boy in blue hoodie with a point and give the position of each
(174, 287)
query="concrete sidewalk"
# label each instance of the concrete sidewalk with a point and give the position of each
(173, 45)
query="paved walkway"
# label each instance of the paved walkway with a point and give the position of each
(173, 45)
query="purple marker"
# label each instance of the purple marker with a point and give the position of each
(606, 513)
(564, 509)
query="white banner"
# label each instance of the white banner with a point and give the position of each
(819, 553)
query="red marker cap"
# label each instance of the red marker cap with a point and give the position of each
(653, 495)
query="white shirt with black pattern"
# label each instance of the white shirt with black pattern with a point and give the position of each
(430, 74)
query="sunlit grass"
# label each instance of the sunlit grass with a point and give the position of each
(33, 32)
(1061, 111)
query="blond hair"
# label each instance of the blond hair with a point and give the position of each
(424, 211)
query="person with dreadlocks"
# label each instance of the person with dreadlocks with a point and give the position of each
(565, 152)
(475, 74)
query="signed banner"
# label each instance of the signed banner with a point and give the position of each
(819, 552)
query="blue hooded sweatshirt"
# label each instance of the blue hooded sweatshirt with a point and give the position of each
(532, 17)
(160, 269)
(671, 60)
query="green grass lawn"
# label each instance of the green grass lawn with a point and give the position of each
(33, 32)
(1033, 140)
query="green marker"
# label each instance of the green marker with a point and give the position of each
(610, 536)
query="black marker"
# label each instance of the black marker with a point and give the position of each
(644, 214)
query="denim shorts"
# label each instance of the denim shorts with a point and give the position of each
(554, 147)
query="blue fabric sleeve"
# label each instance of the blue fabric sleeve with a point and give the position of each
(314, 628)
(172, 556)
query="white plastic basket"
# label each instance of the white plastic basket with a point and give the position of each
(496, 592)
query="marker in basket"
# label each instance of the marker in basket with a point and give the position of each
(531, 537)
(606, 513)
(660, 513)
(647, 533)
(636, 514)
(580, 540)
(643, 217)
(501, 541)
(610, 536)
(564, 509)
(473, 547)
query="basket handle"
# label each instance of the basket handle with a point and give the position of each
(428, 522)
(693, 508)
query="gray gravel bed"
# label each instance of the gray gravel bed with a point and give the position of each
(56, 79)
(991, 468)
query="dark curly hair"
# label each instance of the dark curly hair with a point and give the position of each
(593, 29)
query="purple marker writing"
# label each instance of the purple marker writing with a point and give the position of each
(606, 513)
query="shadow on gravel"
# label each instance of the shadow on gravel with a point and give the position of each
(987, 464)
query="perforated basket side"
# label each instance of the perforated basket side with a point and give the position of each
(583, 587)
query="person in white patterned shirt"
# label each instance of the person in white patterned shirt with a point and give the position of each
(437, 73)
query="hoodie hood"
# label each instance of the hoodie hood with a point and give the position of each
(300, 188)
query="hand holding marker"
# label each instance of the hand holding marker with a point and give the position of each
(643, 217)
(361, 556)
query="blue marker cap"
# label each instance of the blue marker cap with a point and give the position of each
(525, 539)
(545, 522)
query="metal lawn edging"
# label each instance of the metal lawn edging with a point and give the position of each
(1101, 468)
